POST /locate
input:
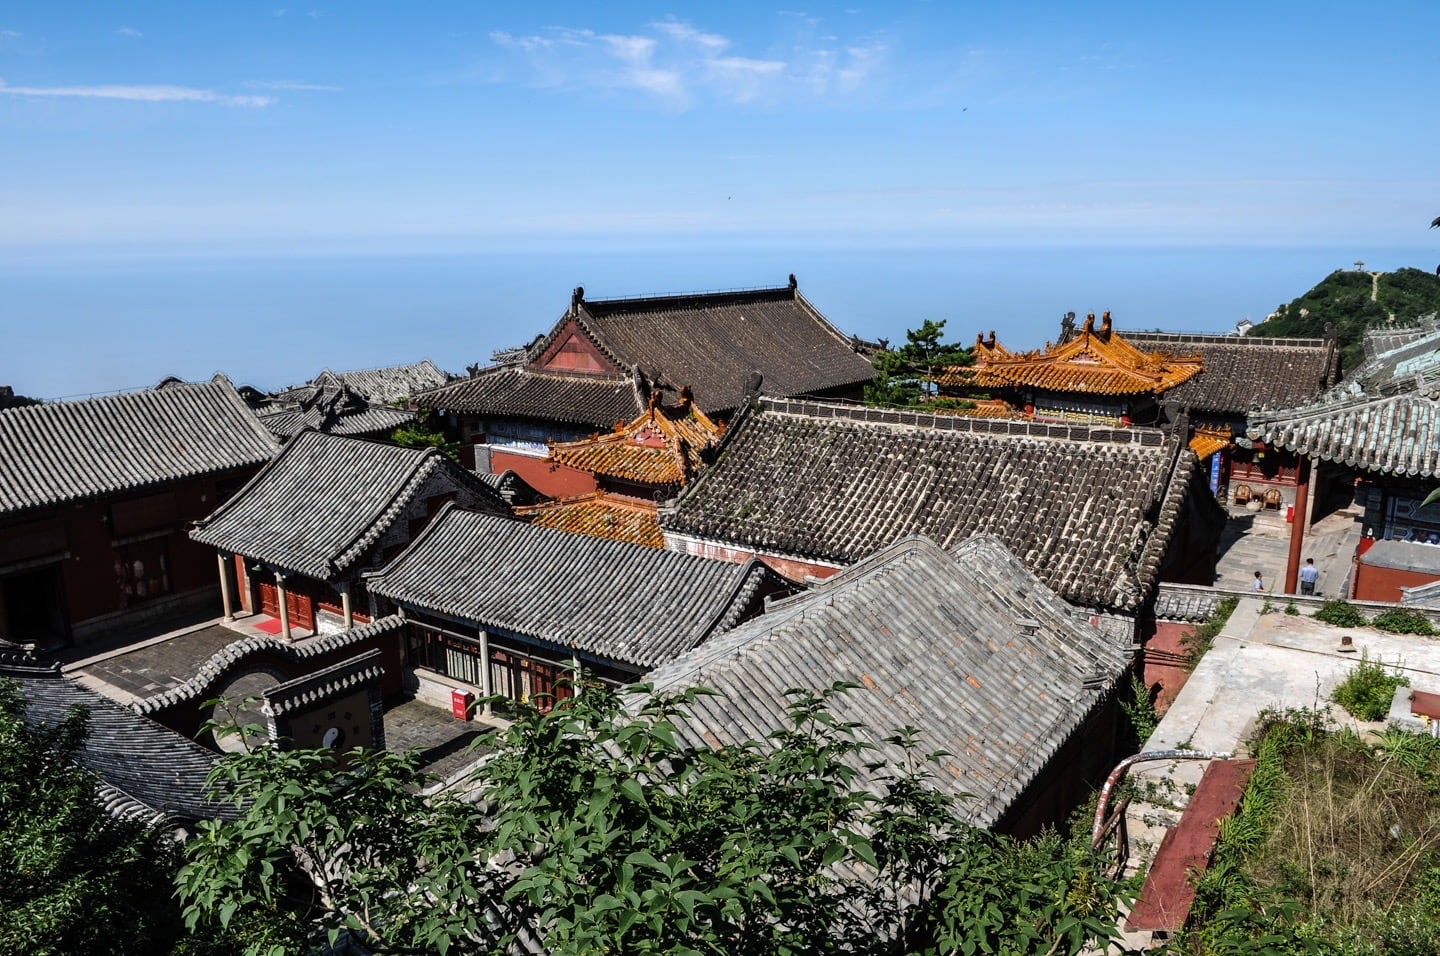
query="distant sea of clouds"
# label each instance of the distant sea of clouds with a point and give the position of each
(84, 324)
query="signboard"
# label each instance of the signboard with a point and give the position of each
(1215, 474)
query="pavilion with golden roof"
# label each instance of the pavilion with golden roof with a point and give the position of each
(639, 464)
(1093, 376)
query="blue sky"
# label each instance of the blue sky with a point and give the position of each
(154, 131)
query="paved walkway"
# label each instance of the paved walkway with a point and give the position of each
(1261, 542)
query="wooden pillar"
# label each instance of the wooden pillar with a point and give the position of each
(487, 688)
(1297, 526)
(284, 601)
(226, 564)
(345, 609)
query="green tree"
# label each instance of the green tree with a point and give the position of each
(73, 879)
(594, 827)
(907, 375)
(423, 433)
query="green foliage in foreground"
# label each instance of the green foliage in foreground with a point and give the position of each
(1332, 853)
(1366, 692)
(73, 879)
(598, 828)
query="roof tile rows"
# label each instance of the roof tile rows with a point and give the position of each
(1089, 510)
(599, 515)
(518, 391)
(320, 505)
(155, 768)
(1096, 361)
(713, 342)
(607, 599)
(664, 446)
(993, 668)
(1384, 417)
(1243, 371)
(71, 451)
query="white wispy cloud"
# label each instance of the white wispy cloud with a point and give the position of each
(11, 34)
(138, 93)
(679, 64)
(129, 32)
(293, 85)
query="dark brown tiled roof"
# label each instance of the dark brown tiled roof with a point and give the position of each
(713, 342)
(69, 451)
(598, 401)
(1241, 370)
(1089, 510)
(320, 505)
(995, 670)
(607, 599)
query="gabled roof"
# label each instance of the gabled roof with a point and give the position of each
(990, 666)
(70, 451)
(1095, 361)
(663, 446)
(321, 504)
(1241, 371)
(712, 341)
(146, 769)
(606, 599)
(600, 515)
(518, 391)
(1089, 510)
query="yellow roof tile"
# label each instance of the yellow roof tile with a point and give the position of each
(599, 515)
(663, 446)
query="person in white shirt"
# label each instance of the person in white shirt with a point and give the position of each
(1258, 584)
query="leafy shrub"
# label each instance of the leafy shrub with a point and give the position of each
(1291, 609)
(1399, 620)
(1340, 614)
(1367, 691)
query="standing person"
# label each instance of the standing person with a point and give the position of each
(1308, 576)
(1258, 584)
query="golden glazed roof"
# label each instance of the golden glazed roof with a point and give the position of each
(1207, 441)
(663, 446)
(1096, 362)
(599, 515)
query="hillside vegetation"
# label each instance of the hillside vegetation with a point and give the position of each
(1355, 301)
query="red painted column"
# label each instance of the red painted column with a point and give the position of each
(1297, 527)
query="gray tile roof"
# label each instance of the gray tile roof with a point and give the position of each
(611, 600)
(70, 451)
(378, 421)
(148, 769)
(1187, 602)
(968, 647)
(597, 401)
(386, 385)
(1243, 370)
(1090, 510)
(1391, 434)
(325, 500)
